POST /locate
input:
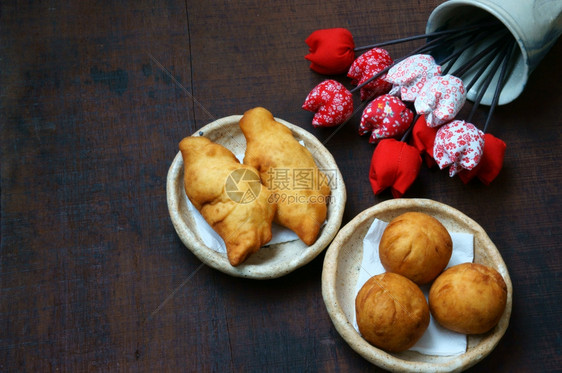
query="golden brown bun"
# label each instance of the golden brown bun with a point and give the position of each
(287, 168)
(468, 298)
(241, 215)
(417, 246)
(391, 312)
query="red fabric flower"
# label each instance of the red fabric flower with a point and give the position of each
(491, 163)
(387, 116)
(458, 144)
(423, 139)
(332, 103)
(331, 50)
(395, 164)
(368, 65)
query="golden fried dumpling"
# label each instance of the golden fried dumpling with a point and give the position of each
(287, 168)
(415, 245)
(229, 195)
(391, 312)
(468, 298)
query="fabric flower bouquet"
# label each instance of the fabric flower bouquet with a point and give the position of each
(409, 106)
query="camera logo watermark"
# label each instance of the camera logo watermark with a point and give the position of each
(243, 185)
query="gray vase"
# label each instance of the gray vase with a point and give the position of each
(535, 25)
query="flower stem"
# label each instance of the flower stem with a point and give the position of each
(409, 130)
(486, 83)
(428, 35)
(452, 58)
(377, 75)
(485, 65)
(470, 63)
(499, 86)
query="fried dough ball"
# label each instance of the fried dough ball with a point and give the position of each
(392, 312)
(468, 298)
(415, 245)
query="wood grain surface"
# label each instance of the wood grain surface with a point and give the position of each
(95, 97)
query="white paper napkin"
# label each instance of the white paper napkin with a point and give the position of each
(436, 339)
(214, 241)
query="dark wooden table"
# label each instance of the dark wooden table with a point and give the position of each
(95, 97)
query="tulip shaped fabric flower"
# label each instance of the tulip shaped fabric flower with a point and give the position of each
(423, 139)
(386, 116)
(458, 144)
(331, 50)
(409, 76)
(395, 164)
(491, 163)
(440, 99)
(332, 103)
(365, 67)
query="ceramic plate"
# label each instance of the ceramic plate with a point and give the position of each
(341, 270)
(274, 260)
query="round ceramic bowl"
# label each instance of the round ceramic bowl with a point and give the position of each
(341, 269)
(274, 260)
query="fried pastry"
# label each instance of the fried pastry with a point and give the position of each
(391, 312)
(468, 298)
(229, 195)
(415, 245)
(287, 168)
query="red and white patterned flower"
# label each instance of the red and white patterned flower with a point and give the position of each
(458, 144)
(386, 116)
(368, 65)
(332, 103)
(441, 99)
(409, 76)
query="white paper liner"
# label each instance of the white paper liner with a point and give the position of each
(212, 239)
